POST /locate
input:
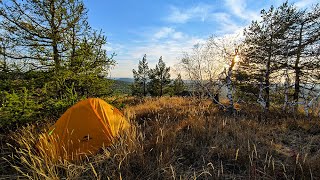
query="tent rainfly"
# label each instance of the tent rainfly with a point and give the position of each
(82, 130)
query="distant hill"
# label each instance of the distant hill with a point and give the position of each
(121, 87)
(130, 80)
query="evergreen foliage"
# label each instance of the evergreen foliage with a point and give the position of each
(50, 59)
(178, 85)
(141, 78)
(159, 79)
(282, 46)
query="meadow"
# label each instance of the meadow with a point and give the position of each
(180, 138)
(212, 90)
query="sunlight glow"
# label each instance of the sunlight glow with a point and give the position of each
(236, 59)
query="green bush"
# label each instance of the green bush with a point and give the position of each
(18, 107)
(54, 107)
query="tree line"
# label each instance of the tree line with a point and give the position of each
(279, 61)
(155, 82)
(285, 47)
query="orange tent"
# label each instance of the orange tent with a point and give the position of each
(83, 129)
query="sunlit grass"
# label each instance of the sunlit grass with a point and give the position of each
(173, 138)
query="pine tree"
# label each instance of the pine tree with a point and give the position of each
(159, 79)
(141, 78)
(284, 44)
(178, 85)
(264, 47)
(40, 30)
(53, 39)
(302, 48)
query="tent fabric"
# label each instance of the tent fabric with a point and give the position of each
(83, 129)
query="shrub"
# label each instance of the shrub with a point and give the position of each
(18, 107)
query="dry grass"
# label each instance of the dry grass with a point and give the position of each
(177, 138)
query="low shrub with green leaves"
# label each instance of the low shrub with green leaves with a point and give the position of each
(18, 107)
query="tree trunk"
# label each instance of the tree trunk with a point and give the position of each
(267, 84)
(161, 89)
(54, 34)
(144, 88)
(297, 69)
(267, 75)
(56, 56)
(73, 47)
(286, 90)
(230, 87)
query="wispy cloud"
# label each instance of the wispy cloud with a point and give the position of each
(225, 24)
(204, 12)
(305, 3)
(239, 8)
(170, 41)
(113, 47)
(167, 42)
(167, 32)
(163, 32)
(170, 49)
(183, 15)
(178, 35)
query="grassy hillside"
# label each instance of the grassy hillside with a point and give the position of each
(180, 138)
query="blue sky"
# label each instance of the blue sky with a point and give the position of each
(169, 28)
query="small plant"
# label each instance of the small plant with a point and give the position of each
(18, 107)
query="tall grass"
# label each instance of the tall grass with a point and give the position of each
(181, 138)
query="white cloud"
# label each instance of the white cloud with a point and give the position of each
(200, 11)
(236, 6)
(166, 42)
(305, 3)
(177, 35)
(123, 68)
(239, 8)
(177, 16)
(167, 33)
(171, 45)
(226, 24)
(204, 12)
(113, 47)
(170, 49)
(163, 32)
